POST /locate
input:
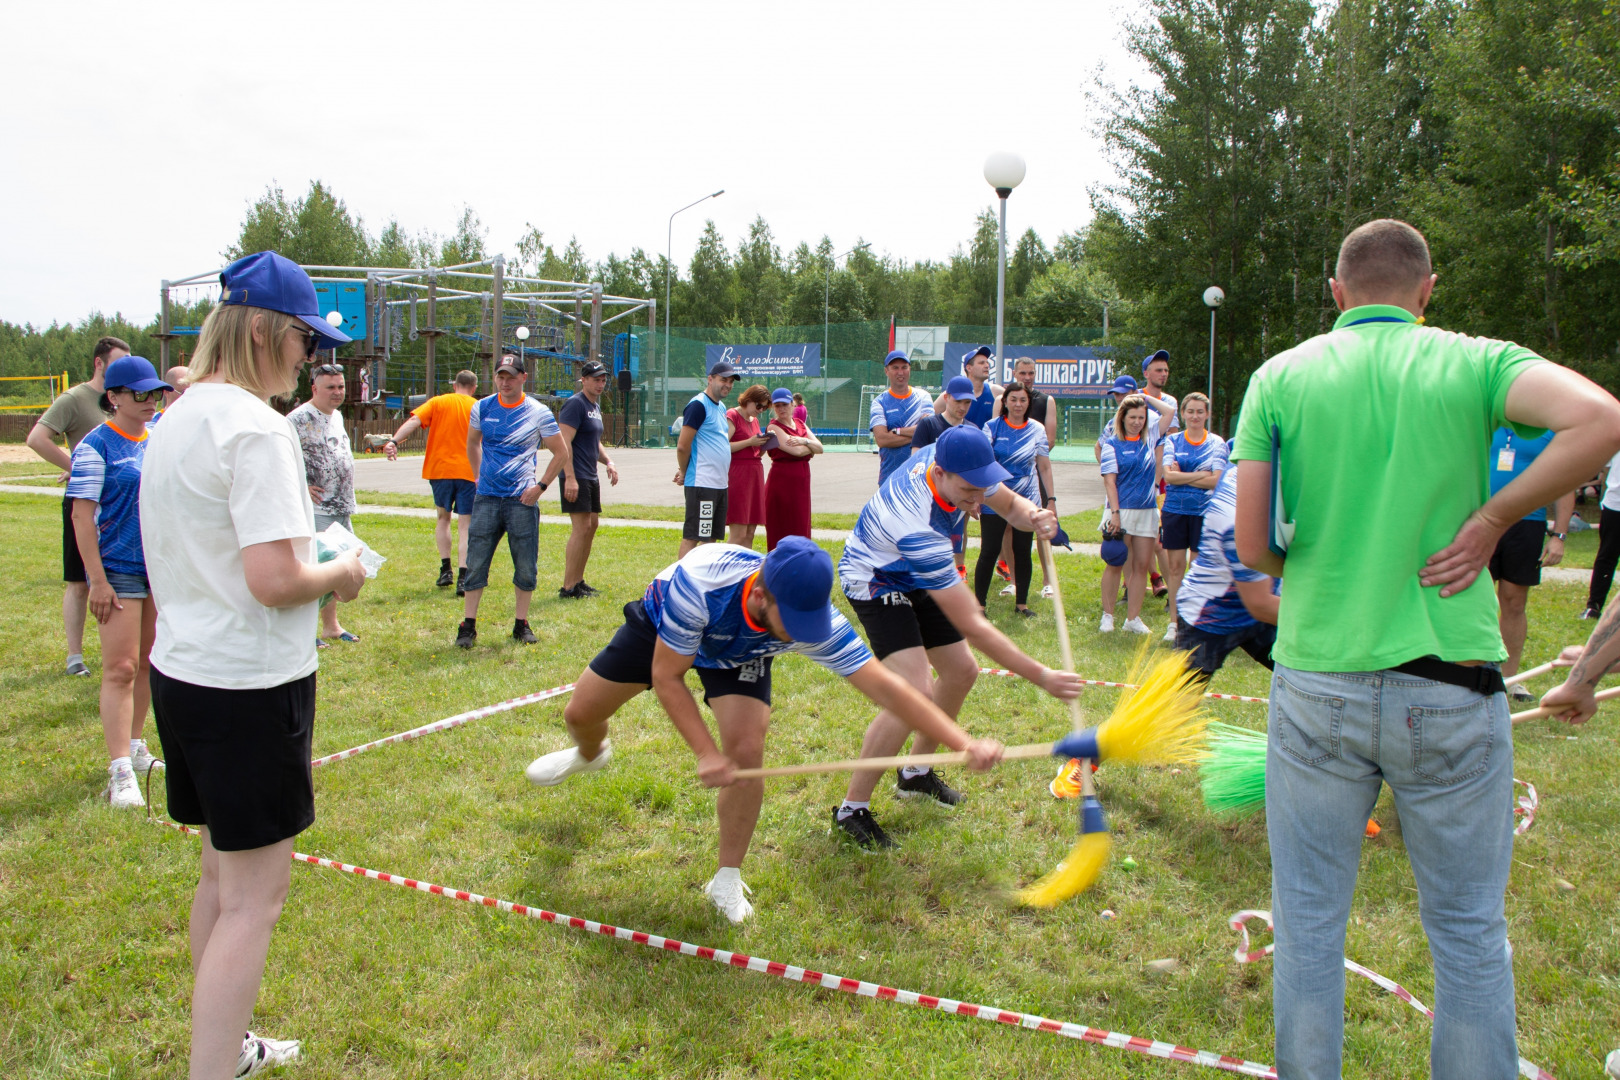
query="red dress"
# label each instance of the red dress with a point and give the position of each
(745, 487)
(787, 491)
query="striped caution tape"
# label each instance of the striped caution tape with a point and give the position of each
(1525, 808)
(448, 723)
(1128, 686)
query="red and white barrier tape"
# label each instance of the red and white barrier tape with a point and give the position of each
(1525, 808)
(1244, 955)
(448, 723)
(1128, 686)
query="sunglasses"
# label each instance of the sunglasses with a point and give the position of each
(325, 369)
(312, 341)
(143, 396)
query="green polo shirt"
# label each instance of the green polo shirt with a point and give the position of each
(1385, 428)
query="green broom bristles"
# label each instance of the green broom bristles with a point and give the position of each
(1233, 772)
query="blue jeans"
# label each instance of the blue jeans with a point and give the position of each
(492, 518)
(1447, 755)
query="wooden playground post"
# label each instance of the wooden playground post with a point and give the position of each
(596, 323)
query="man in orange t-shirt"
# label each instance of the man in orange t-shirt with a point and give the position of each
(446, 467)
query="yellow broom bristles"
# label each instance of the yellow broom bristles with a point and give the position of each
(1163, 721)
(1072, 876)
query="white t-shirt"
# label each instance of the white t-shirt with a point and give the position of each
(1611, 491)
(224, 471)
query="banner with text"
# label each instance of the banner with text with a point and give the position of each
(767, 361)
(1060, 370)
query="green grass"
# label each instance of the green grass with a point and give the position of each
(379, 982)
(35, 467)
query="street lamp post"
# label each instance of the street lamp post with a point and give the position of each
(1002, 171)
(669, 256)
(1214, 297)
(826, 323)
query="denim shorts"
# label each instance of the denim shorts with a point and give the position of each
(492, 518)
(129, 586)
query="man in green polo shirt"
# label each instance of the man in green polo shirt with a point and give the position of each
(1387, 637)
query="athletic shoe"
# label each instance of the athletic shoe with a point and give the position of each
(961, 572)
(930, 785)
(1520, 693)
(728, 897)
(142, 760)
(1170, 633)
(1159, 587)
(1001, 568)
(1591, 613)
(1010, 590)
(123, 791)
(1025, 612)
(445, 577)
(1107, 624)
(1066, 784)
(466, 634)
(461, 577)
(570, 594)
(77, 667)
(1136, 626)
(559, 765)
(586, 590)
(521, 632)
(859, 826)
(1046, 592)
(259, 1053)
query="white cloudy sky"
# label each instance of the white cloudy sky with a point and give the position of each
(137, 134)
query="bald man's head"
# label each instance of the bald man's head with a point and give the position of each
(1383, 261)
(179, 378)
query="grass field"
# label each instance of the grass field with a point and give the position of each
(381, 982)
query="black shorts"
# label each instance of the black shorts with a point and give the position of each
(628, 658)
(1517, 558)
(238, 760)
(705, 514)
(72, 561)
(1210, 650)
(589, 500)
(1180, 532)
(912, 620)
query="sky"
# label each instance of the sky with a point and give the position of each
(138, 135)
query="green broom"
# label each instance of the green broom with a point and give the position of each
(1233, 772)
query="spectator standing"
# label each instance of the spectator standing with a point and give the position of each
(895, 413)
(1155, 373)
(703, 458)
(1129, 464)
(1192, 464)
(73, 415)
(1526, 546)
(976, 366)
(745, 482)
(801, 412)
(1608, 553)
(1020, 448)
(328, 468)
(1387, 638)
(958, 397)
(1043, 412)
(178, 379)
(105, 487)
(581, 426)
(504, 434)
(446, 468)
(227, 528)
(787, 486)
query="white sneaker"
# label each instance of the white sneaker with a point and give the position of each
(1009, 590)
(1107, 624)
(559, 765)
(1046, 592)
(1136, 626)
(260, 1053)
(728, 897)
(123, 791)
(1170, 633)
(142, 760)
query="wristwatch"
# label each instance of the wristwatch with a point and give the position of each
(1555, 535)
(542, 485)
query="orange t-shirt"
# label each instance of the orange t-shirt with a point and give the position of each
(445, 419)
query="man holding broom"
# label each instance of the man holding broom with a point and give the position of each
(729, 611)
(1387, 640)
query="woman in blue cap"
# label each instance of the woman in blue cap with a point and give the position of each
(787, 487)
(105, 487)
(1021, 449)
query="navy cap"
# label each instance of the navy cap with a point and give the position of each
(799, 576)
(897, 357)
(133, 373)
(723, 367)
(782, 394)
(1114, 552)
(966, 451)
(266, 280)
(1162, 354)
(510, 363)
(590, 369)
(982, 350)
(1123, 385)
(961, 388)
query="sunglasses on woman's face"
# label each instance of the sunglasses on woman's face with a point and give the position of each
(311, 340)
(143, 396)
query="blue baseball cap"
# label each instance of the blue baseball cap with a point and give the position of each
(897, 357)
(267, 280)
(1162, 354)
(1123, 385)
(782, 394)
(961, 388)
(966, 451)
(133, 373)
(799, 576)
(1114, 552)
(723, 367)
(982, 350)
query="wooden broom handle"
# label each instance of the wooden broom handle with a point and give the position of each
(1536, 714)
(1526, 676)
(1066, 652)
(1011, 753)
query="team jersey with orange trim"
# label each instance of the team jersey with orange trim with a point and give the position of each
(107, 471)
(895, 413)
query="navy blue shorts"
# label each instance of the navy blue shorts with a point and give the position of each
(1210, 650)
(628, 658)
(454, 495)
(1180, 532)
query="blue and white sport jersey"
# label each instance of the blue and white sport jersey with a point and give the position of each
(1209, 599)
(902, 540)
(709, 465)
(1206, 456)
(978, 413)
(895, 413)
(511, 437)
(1133, 462)
(107, 472)
(697, 607)
(1017, 448)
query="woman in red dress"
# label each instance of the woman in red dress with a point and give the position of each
(745, 490)
(787, 489)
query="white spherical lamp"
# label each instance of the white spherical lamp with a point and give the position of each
(521, 333)
(1214, 297)
(334, 317)
(1004, 171)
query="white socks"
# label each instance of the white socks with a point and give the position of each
(850, 807)
(727, 873)
(136, 746)
(120, 764)
(911, 772)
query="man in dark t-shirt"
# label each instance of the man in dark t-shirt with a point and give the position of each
(581, 422)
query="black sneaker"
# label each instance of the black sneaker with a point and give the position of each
(445, 579)
(861, 828)
(461, 578)
(583, 589)
(466, 634)
(1591, 613)
(1521, 693)
(570, 594)
(521, 632)
(930, 785)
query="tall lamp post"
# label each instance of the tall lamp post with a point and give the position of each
(1214, 297)
(669, 256)
(826, 323)
(1002, 171)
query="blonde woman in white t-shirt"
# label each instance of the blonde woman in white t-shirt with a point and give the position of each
(228, 531)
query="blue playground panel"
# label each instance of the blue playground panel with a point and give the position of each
(619, 345)
(347, 299)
